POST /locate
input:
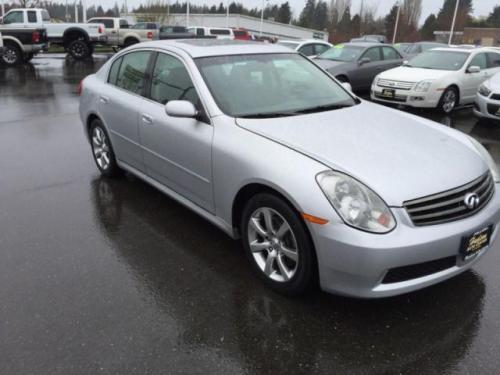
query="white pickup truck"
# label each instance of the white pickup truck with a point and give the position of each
(121, 34)
(78, 39)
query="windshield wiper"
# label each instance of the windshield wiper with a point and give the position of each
(268, 115)
(322, 108)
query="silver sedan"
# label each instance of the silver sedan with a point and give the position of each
(319, 185)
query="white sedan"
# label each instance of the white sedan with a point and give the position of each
(487, 104)
(309, 47)
(440, 78)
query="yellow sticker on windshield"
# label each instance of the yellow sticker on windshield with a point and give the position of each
(339, 46)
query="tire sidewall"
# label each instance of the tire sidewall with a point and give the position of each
(306, 273)
(441, 102)
(113, 170)
(82, 44)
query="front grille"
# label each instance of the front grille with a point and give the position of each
(449, 205)
(495, 97)
(397, 98)
(402, 85)
(494, 109)
(414, 271)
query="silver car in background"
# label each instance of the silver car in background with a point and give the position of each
(487, 103)
(318, 184)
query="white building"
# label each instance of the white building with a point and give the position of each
(252, 24)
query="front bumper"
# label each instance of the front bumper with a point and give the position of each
(355, 263)
(412, 98)
(486, 108)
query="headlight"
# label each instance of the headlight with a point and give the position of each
(484, 91)
(423, 86)
(487, 158)
(375, 80)
(356, 204)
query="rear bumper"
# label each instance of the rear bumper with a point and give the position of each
(35, 48)
(99, 39)
(356, 263)
(486, 108)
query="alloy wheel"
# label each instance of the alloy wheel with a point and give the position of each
(100, 148)
(449, 101)
(78, 50)
(10, 56)
(273, 244)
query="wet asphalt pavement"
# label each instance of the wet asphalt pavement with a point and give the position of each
(112, 277)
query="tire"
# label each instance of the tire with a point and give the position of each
(102, 150)
(449, 100)
(130, 42)
(78, 49)
(12, 55)
(286, 262)
(342, 79)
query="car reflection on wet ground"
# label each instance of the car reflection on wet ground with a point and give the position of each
(111, 276)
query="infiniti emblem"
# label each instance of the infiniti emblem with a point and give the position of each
(471, 200)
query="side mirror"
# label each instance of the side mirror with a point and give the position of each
(473, 69)
(347, 86)
(364, 60)
(181, 108)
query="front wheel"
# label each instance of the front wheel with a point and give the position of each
(102, 150)
(449, 100)
(278, 245)
(78, 49)
(12, 55)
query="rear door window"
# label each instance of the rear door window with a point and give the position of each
(320, 48)
(373, 54)
(31, 16)
(493, 60)
(390, 53)
(113, 72)
(307, 50)
(124, 24)
(133, 72)
(480, 60)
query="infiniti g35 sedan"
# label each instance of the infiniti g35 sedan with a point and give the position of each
(319, 185)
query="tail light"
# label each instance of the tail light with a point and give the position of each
(79, 88)
(150, 35)
(35, 37)
(100, 30)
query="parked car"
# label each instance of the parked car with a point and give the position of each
(22, 44)
(78, 39)
(402, 47)
(241, 34)
(175, 32)
(261, 142)
(370, 39)
(416, 48)
(440, 78)
(217, 32)
(308, 47)
(121, 34)
(359, 63)
(487, 103)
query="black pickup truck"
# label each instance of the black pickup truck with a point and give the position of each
(21, 44)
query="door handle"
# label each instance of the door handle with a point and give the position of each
(104, 99)
(147, 119)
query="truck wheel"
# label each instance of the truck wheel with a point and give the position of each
(12, 54)
(78, 49)
(129, 42)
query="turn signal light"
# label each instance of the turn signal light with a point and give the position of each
(314, 219)
(150, 35)
(79, 88)
(100, 30)
(35, 37)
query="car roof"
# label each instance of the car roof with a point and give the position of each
(216, 47)
(366, 44)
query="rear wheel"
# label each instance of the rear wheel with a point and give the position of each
(449, 100)
(78, 49)
(130, 42)
(12, 55)
(102, 150)
(277, 244)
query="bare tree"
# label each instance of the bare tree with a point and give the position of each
(411, 10)
(29, 3)
(337, 10)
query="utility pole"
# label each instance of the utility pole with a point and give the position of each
(397, 23)
(84, 11)
(227, 13)
(453, 22)
(262, 17)
(187, 14)
(76, 12)
(361, 18)
(3, 8)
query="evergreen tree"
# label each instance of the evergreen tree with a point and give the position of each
(284, 13)
(306, 18)
(320, 16)
(430, 25)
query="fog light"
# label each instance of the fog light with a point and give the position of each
(417, 98)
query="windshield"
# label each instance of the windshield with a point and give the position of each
(342, 52)
(440, 60)
(270, 85)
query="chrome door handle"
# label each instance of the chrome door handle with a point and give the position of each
(147, 119)
(104, 99)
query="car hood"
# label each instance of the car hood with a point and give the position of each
(404, 73)
(494, 83)
(332, 65)
(398, 155)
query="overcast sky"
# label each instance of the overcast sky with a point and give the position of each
(481, 7)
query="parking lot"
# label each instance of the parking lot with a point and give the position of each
(111, 276)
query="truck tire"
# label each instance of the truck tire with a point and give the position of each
(12, 55)
(129, 42)
(78, 49)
